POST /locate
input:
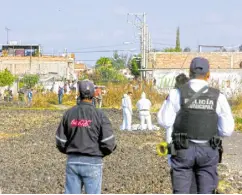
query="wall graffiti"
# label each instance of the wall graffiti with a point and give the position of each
(228, 82)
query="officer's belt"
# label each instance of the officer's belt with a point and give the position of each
(204, 144)
(144, 110)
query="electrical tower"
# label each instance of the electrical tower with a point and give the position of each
(138, 20)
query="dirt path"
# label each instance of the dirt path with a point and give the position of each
(233, 151)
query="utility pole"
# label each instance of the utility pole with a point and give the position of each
(144, 44)
(7, 30)
(139, 21)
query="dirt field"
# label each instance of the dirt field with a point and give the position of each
(30, 163)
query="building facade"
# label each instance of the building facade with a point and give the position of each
(52, 68)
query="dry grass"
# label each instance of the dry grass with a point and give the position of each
(69, 99)
(114, 96)
(115, 93)
(9, 135)
(112, 99)
(237, 112)
(44, 100)
(49, 99)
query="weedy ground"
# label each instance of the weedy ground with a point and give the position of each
(30, 163)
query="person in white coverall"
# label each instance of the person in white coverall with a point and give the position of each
(127, 111)
(143, 106)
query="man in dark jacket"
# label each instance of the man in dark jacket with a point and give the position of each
(85, 134)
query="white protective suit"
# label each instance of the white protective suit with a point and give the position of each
(144, 106)
(127, 113)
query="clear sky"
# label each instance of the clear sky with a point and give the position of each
(79, 24)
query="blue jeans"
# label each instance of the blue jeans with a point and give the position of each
(60, 99)
(83, 171)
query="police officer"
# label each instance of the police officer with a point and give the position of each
(198, 114)
(85, 134)
(181, 79)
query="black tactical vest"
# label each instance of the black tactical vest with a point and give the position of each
(199, 119)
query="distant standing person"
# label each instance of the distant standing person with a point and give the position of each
(60, 95)
(154, 82)
(127, 111)
(143, 106)
(99, 97)
(10, 95)
(97, 100)
(85, 134)
(30, 97)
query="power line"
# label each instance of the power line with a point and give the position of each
(103, 46)
(87, 60)
(166, 44)
(102, 51)
(98, 51)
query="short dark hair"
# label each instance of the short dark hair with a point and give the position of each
(130, 93)
(181, 79)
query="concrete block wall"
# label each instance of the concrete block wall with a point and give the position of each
(34, 65)
(177, 60)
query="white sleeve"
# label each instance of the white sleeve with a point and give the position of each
(225, 117)
(130, 105)
(168, 135)
(167, 114)
(150, 104)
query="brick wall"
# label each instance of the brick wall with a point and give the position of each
(223, 60)
(43, 65)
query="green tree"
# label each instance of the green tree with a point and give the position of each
(119, 61)
(37, 53)
(83, 76)
(106, 74)
(103, 61)
(6, 78)
(135, 66)
(178, 46)
(240, 48)
(169, 49)
(30, 80)
(187, 49)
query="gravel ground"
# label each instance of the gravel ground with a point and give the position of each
(233, 152)
(30, 163)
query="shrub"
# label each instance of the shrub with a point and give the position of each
(238, 123)
(115, 93)
(69, 99)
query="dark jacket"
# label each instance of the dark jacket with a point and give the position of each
(86, 131)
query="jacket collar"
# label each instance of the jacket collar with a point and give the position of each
(85, 103)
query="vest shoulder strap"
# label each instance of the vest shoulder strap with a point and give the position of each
(196, 95)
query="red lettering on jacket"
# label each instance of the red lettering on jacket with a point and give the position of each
(80, 123)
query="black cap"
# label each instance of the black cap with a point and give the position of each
(199, 66)
(86, 89)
